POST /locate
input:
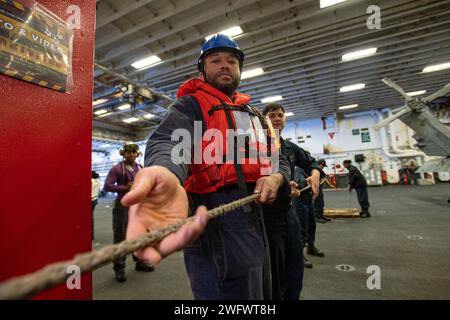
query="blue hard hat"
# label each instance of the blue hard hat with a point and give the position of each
(220, 41)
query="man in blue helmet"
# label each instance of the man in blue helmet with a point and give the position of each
(230, 259)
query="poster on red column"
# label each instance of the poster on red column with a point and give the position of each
(35, 45)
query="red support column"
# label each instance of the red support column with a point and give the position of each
(45, 165)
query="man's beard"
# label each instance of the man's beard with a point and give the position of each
(228, 88)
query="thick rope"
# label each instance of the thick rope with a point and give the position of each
(56, 273)
(26, 286)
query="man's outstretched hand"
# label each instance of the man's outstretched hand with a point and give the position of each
(157, 199)
(314, 182)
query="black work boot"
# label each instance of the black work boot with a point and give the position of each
(307, 263)
(365, 214)
(320, 220)
(144, 266)
(312, 250)
(120, 276)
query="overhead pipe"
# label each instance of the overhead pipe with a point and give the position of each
(109, 104)
(158, 95)
(106, 93)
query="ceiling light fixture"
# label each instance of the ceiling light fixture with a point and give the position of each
(437, 67)
(359, 54)
(271, 99)
(231, 32)
(130, 120)
(353, 87)
(416, 93)
(327, 3)
(125, 106)
(101, 111)
(147, 62)
(97, 102)
(149, 116)
(104, 115)
(350, 106)
(252, 73)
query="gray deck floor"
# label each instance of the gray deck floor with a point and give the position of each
(410, 268)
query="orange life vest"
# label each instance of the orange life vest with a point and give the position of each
(221, 113)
